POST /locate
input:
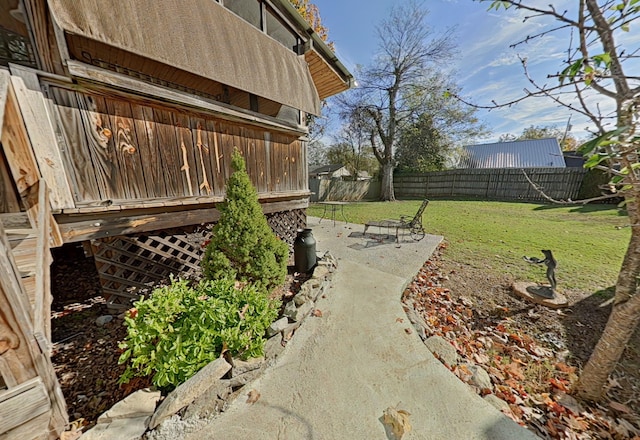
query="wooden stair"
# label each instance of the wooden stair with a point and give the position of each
(23, 240)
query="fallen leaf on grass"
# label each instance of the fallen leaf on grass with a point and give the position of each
(253, 396)
(397, 420)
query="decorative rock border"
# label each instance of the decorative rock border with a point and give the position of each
(210, 390)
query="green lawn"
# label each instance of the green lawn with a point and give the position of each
(588, 241)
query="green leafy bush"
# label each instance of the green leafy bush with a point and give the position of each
(243, 245)
(178, 329)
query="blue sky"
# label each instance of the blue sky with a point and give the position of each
(486, 67)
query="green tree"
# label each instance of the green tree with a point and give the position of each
(431, 140)
(394, 88)
(352, 146)
(597, 62)
(421, 147)
(243, 245)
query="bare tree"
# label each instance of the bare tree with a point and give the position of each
(393, 88)
(598, 56)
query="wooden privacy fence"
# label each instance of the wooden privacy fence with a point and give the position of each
(343, 190)
(494, 183)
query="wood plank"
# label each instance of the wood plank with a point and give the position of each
(74, 148)
(260, 153)
(99, 141)
(170, 153)
(188, 160)
(16, 223)
(14, 138)
(8, 196)
(127, 154)
(147, 147)
(215, 140)
(110, 225)
(15, 321)
(205, 154)
(267, 161)
(23, 403)
(226, 152)
(6, 373)
(37, 429)
(141, 88)
(24, 254)
(42, 302)
(43, 142)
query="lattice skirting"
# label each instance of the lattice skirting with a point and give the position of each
(286, 223)
(130, 266)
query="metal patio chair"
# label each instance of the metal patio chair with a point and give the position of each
(413, 225)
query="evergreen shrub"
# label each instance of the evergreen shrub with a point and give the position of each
(243, 246)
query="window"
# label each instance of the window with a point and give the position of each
(281, 32)
(274, 26)
(248, 9)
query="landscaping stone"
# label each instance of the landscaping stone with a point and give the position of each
(497, 402)
(442, 349)
(418, 323)
(121, 429)
(480, 377)
(305, 294)
(277, 326)
(175, 428)
(244, 378)
(273, 347)
(142, 403)
(102, 320)
(297, 314)
(189, 390)
(241, 367)
(209, 403)
(321, 272)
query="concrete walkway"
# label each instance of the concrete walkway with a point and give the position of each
(342, 370)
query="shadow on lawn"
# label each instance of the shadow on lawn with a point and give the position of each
(586, 209)
(585, 323)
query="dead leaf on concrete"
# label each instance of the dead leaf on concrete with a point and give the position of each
(71, 435)
(397, 420)
(317, 313)
(253, 396)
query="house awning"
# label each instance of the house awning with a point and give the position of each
(199, 36)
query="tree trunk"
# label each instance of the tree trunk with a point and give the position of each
(624, 318)
(386, 185)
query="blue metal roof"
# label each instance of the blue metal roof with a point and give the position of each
(535, 153)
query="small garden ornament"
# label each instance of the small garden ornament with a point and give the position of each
(546, 295)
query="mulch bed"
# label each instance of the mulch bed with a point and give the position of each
(532, 354)
(85, 354)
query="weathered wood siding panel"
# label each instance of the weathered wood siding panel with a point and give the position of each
(121, 150)
(76, 155)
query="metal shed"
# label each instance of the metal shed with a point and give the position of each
(534, 153)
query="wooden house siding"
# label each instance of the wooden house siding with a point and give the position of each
(119, 150)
